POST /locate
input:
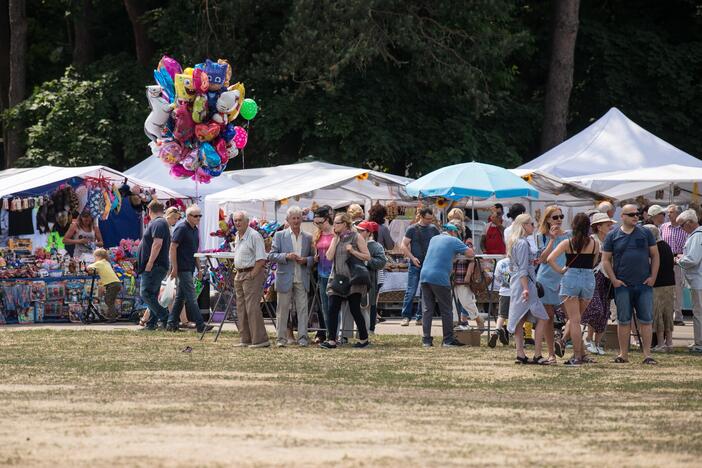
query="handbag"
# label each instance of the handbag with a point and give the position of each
(479, 283)
(341, 285)
(359, 272)
(539, 287)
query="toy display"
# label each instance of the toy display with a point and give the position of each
(190, 123)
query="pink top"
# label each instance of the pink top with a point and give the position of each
(325, 266)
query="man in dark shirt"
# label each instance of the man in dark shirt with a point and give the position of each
(630, 259)
(184, 246)
(153, 264)
(415, 245)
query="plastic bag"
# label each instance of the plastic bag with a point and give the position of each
(168, 293)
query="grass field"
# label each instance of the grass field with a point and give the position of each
(98, 398)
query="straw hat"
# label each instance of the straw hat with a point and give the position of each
(600, 218)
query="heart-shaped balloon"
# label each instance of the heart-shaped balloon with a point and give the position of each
(209, 156)
(207, 132)
(221, 147)
(241, 137)
(228, 132)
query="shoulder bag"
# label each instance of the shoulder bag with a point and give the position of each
(360, 276)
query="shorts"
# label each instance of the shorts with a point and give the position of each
(503, 311)
(578, 282)
(629, 298)
(551, 296)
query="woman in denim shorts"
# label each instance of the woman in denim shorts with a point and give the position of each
(578, 283)
(550, 235)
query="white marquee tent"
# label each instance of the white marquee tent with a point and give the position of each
(20, 180)
(612, 143)
(301, 183)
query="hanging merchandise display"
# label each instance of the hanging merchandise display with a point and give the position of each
(191, 124)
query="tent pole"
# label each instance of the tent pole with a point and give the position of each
(472, 220)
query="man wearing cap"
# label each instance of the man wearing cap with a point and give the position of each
(675, 236)
(656, 215)
(292, 251)
(435, 280)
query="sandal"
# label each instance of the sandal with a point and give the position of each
(620, 360)
(522, 360)
(588, 360)
(541, 361)
(650, 360)
(559, 347)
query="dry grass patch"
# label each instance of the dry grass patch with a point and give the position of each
(94, 398)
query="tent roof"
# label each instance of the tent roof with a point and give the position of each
(153, 170)
(612, 143)
(314, 180)
(669, 173)
(23, 180)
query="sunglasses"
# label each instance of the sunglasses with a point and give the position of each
(196, 216)
(633, 215)
(557, 217)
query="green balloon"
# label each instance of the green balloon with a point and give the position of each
(249, 109)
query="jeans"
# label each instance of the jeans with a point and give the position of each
(354, 301)
(637, 297)
(149, 287)
(410, 292)
(578, 283)
(431, 294)
(185, 293)
(322, 283)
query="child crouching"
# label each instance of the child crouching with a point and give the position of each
(109, 279)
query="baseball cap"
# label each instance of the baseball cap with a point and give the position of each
(370, 226)
(450, 227)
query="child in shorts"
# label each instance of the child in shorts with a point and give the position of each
(501, 281)
(109, 279)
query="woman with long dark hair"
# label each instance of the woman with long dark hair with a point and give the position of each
(578, 283)
(377, 214)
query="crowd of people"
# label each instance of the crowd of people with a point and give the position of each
(546, 268)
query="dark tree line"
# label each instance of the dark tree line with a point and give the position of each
(405, 86)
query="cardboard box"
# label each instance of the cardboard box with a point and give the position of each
(468, 337)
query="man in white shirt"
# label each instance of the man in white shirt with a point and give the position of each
(250, 262)
(293, 252)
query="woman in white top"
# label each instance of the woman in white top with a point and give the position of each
(85, 234)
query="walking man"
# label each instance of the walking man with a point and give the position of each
(691, 262)
(184, 245)
(675, 236)
(630, 259)
(249, 261)
(292, 251)
(153, 264)
(436, 283)
(414, 246)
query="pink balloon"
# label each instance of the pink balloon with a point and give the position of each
(170, 152)
(241, 137)
(202, 176)
(179, 172)
(171, 65)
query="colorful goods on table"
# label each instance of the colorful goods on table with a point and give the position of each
(227, 231)
(192, 121)
(49, 287)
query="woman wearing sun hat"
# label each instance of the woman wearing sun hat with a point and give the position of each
(596, 314)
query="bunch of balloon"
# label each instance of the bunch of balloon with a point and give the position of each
(192, 121)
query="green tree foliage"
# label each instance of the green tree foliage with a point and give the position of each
(405, 86)
(95, 118)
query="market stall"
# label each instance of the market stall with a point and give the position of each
(41, 278)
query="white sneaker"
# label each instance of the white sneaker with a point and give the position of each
(463, 327)
(264, 344)
(405, 322)
(281, 344)
(600, 351)
(303, 342)
(658, 349)
(591, 347)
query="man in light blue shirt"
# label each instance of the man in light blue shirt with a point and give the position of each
(435, 280)
(691, 263)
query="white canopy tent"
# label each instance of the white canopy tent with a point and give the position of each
(302, 183)
(19, 180)
(612, 143)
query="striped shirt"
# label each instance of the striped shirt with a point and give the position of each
(674, 236)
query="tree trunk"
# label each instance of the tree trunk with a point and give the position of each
(83, 50)
(18, 73)
(560, 72)
(144, 46)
